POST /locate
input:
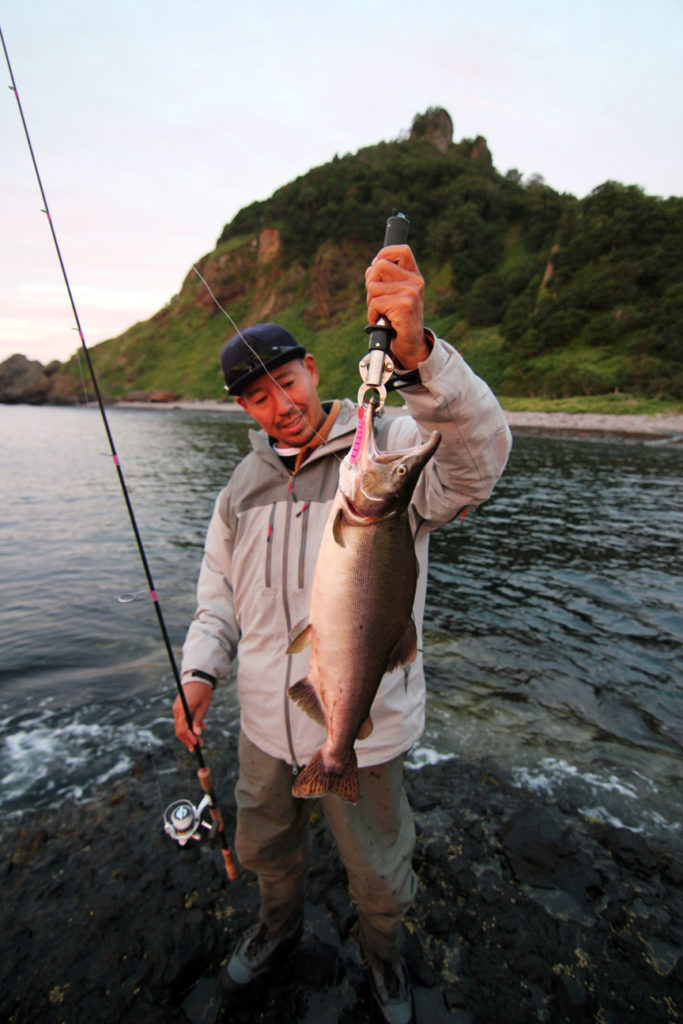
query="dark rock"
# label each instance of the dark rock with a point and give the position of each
(542, 850)
(439, 920)
(491, 887)
(673, 871)
(23, 380)
(454, 997)
(437, 852)
(616, 914)
(318, 965)
(343, 913)
(436, 125)
(572, 1001)
(536, 969)
(202, 1006)
(476, 831)
(107, 920)
(164, 396)
(630, 849)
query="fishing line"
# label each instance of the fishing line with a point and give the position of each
(257, 356)
(204, 773)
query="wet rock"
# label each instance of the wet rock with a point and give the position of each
(439, 920)
(629, 849)
(524, 913)
(202, 1006)
(343, 913)
(542, 850)
(318, 965)
(572, 1001)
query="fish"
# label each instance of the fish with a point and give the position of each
(360, 624)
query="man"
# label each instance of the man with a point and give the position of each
(254, 587)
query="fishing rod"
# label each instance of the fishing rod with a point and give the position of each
(182, 820)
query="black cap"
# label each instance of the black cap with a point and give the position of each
(254, 350)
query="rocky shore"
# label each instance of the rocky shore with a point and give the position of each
(525, 912)
(670, 426)
(577, 424)
(23, 381)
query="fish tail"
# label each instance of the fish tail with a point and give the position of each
(314, 780)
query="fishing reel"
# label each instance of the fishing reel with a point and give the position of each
(183, 821)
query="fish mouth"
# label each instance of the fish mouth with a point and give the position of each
(353, 515)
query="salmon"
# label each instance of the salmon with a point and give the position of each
(360, 623)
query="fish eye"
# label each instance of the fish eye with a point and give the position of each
(401, 470)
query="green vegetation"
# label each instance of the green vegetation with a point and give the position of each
(549, 297)
(601, 405)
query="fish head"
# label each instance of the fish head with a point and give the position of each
(375, 485)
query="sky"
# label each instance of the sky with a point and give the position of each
(153, 123)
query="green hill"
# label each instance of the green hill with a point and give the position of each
(545, 294)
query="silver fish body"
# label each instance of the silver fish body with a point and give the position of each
(362, 596)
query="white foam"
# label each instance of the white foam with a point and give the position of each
(123, 765)
(552, 771)
(421, 756)
(606, 798)
(37, 754)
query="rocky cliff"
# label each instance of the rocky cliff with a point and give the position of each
(28, 382)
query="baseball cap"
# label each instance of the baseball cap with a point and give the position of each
(254, 350)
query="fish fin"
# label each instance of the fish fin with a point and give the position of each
(315, 781)
(405, 649)
(306, 696)
(365, 729)
(299, 638)
(337, 531)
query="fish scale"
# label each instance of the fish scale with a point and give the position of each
(361, 605)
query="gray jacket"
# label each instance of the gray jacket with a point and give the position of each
(261, 547)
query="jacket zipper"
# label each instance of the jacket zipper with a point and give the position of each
(269, 546)
(303, 515)
(288, 622)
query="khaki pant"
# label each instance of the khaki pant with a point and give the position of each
(375, 839)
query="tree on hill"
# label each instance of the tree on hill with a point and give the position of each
(547, 294)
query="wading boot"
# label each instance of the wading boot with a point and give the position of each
(256, 953)
(392, 993)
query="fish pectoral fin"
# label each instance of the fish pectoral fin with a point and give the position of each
(365, 729)
(300, 637)
(405, 649)
(337, 531)
(306, 696)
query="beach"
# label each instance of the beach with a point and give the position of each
(594, 423)
(624, 425)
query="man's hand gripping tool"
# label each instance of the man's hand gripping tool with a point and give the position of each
(376, 367)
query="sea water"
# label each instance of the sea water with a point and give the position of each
(553, 628)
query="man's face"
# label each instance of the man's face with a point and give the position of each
(285, 402)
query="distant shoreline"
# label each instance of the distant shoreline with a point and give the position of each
(596, 423)
(624, 425)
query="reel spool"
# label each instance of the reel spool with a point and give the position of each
(182, 820)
